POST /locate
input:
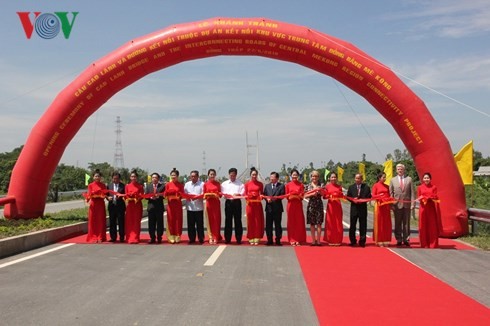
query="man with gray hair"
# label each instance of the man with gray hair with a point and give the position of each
(402, 189)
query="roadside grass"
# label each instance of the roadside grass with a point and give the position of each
(10, 228)
(482, 237)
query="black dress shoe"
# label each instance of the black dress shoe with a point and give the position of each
(398, 243)
(362, 245)
(239, 242)
(353, 244)
(406, 243)
(269, 243)
(112, 240)
(278, 243)
(152, 241)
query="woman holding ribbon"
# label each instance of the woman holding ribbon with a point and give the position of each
(254, 189)
(314, 210)
(212, 195)
(296, 218)
(173, 192)
(134, 208)
(96, 213)
(429, 213)
(334, 229)
(382, 211)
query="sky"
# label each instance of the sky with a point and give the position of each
(196, 114)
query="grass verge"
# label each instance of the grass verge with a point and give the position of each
(10, 228)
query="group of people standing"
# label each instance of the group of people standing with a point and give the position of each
(203, 202)
(399, 197)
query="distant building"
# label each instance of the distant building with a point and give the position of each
(482, 171)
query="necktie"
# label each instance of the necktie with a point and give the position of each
(114, 198)
(154, 188)
(358, 190)
(273, 185)
(401, 183)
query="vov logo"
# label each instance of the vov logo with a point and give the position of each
(47, 25)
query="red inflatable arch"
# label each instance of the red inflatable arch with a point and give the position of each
(236, 36)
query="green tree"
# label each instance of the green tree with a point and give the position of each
(68, 178)
(7, 162)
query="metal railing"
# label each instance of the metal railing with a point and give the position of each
(475, 216)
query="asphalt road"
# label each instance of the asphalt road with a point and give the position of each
(117, 284)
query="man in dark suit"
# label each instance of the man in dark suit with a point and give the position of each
(273, 209)
(155, 208)
(116, 208)
(358, 211)
(402, 189)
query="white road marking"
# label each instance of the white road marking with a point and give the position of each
(214, 257)
(35, 255)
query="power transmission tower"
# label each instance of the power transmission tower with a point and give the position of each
(203, 172)
(118, 163)
(245, 174)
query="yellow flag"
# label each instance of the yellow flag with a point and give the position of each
(304, 177)
(148, 178)
(326, 174)
(87, 179)
(388, 170)
(464, 161)
(362, 170)
(340, 173)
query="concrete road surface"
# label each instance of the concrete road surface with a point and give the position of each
(119, 284)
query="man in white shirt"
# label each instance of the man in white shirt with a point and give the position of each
(195, 209)
(233, 207)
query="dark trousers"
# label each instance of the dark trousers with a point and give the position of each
(360, 216)
(116, 219)
(233, 214)
(195, 222)
(273, 219)
(155, 222)
(402, 224)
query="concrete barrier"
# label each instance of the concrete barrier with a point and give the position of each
(25, 242)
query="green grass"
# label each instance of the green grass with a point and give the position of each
(10, 228)
(482, 237)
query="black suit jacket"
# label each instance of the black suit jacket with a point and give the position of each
(365, 193)
(120, 204)
(274, 205)
(155, 203)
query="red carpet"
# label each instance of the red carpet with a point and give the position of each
(374, 286)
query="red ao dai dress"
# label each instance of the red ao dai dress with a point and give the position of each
(254, 211)
(211, 190)
(173, 191)
(382, 213)
(429, 216)
(334, 229)
(134, 212)
(296, 218)
(96, 213)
